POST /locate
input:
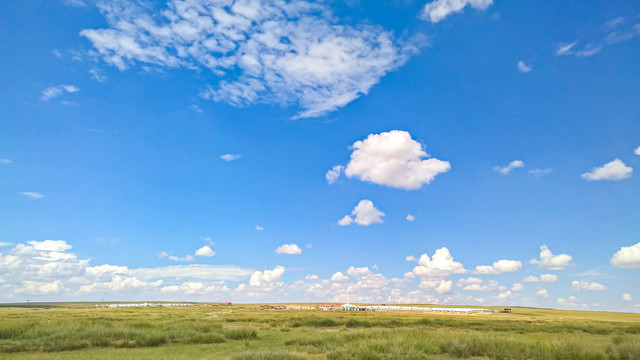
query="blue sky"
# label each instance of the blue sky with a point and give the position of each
(466, 152)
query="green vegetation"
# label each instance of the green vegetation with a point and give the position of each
(246, 332)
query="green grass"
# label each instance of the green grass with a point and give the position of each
(80, 331)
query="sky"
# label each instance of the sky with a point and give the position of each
(474, 152)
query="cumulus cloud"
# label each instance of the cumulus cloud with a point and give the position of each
(543, 293)
(433, 271)
(437, 10)
(410, 217)
(637, 151)
(476, 284)
(550, 261)
(47, 270)
(333, 174)
(339, 277)
(205, 251)
(614, 170)
(311, 277)
(32, 195)
(230, 157)
(627, 257)
(291, 249)
(524, 68)
(499, 267)
(393, 159)
(268, 51)
(586, 286)
(626, 297)
(55, 91)
(571, 302)
(365, 214)
(517, 287)
(504, 170)
(259, 228)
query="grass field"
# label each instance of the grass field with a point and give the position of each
(246, 332)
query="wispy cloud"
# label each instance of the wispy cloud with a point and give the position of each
(5, 161)
(98, 76)
(55, 91)
(230, 157)
(504, 170)
(32, 195)
(540, 172)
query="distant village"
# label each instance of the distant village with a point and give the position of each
(323, 307)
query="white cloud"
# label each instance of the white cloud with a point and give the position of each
(4, 243)
(291, 249)
(358, 272)
(435, 270)
(614, 170)
(196, 108)
(333, 174)
(311, 277)
(162, 254)
(32, 195)
(550, 261)
(345, 221)
(38, 287)
(267, 51)
(637, 151)
(586, 286)
(259, 228)
(627, 257)
(205, 251)
(230, 157)
(565, 48)
(74, 3)
(517, 287)
(393, 159)
(185, 258)
(499, 267)
(475, 284)
(524, 68)
(5, 161)
(542, 278)
(626, 297)
(197, 287)
(572, 302)
(437, 10)
(504, 170)
(505, 295)
(365, 214)
(410, 217)
(98, 76)
(540, 172)
(50, 245)
(265, 280)
(548, 278)
(543, 293)
(339, 277)
(55, 91)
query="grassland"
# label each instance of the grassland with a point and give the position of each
(246, 332)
